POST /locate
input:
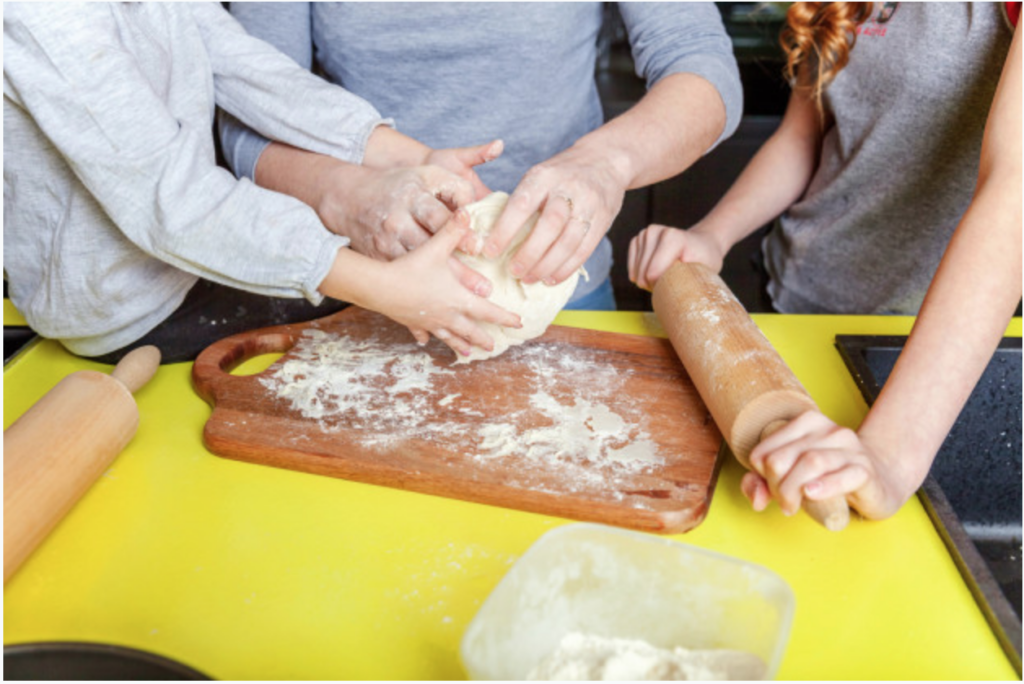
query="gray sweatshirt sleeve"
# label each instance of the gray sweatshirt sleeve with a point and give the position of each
(265, 90)
(685, 37)
(151, 172)
(286, 26)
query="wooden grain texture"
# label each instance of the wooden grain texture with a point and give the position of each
(58, 448)
(639, 379)
(748, 388)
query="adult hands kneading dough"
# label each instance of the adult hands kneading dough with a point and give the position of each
(523, 73)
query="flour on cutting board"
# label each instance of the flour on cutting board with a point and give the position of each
(586, 431)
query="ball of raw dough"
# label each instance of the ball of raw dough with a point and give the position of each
(537, 304)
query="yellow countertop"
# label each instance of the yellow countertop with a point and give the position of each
(250, 572)
(12, 317)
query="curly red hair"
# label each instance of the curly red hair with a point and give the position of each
(818, 36)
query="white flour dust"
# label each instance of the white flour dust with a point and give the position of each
(589, 657)
(574, 428)
(382, 391)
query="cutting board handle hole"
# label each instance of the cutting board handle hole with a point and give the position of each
(251, 356)
(256, 364)
(226, 363)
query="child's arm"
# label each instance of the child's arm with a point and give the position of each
(391, 203)
(773, 180)
(420, 290)
(969, 303)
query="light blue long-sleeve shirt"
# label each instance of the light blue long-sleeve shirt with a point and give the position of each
(456, 74)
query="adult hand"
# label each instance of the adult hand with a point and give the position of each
(425, 293)
(578, 194)
(461, 160)
(812, 457)
(388, 212)
(657, 247)
(389, 149)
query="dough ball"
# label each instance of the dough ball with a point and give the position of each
(537, 304)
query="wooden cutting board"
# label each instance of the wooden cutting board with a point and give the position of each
(581, 424)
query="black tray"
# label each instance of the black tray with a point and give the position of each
(84, 661)
(973, 492)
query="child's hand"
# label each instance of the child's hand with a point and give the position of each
(815, 458)
(425, 291)
(657, 247)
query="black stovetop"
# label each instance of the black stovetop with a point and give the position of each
(973, 491)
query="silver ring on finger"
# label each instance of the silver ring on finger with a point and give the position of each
(568, 200)
(586, 223)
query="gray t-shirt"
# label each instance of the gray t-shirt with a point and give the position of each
(113, 203)
(456, 74)
(898, 168)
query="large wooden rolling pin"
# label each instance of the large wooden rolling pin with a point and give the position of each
(62, 444)
(746, 385)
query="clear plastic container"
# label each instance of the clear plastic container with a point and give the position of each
(616, 583)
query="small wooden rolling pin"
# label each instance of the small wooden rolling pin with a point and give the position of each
(62, 444)
(748, 388)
